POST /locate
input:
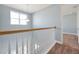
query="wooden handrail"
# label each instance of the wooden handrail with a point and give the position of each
(25, 30)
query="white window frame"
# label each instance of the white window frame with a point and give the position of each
(18, 20)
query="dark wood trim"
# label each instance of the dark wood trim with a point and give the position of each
(24, 30)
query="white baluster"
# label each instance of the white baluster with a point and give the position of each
(9, 47)
(16, 46)
(27, 46)
(22, 46)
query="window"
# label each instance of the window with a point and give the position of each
(18, 18)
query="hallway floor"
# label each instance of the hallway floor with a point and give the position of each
(70, 46)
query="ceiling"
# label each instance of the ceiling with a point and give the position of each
(30, 8)
(69, 8)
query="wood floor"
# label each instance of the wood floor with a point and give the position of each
(70, 46)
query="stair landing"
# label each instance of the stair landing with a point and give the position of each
(70, 46)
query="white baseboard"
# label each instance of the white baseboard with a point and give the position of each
(59, 42)
(55, 41)
(70, 33)
(50, 47)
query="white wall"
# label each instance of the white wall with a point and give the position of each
(70, 23)
(47, 17)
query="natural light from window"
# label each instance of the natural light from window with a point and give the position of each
(18, 18)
